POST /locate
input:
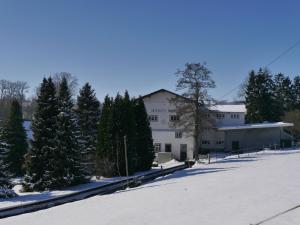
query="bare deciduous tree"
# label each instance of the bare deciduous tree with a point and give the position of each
(10, 90)
(71, 79)
(192, 106)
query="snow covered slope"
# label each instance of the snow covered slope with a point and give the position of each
(233, 191)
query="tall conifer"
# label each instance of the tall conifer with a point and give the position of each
(88, 112)
(41, 155)
(5, 184)
(144, 141)
(16, 138)
(68, 168)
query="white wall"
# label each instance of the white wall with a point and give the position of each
(162, 131)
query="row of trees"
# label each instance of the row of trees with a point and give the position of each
(63, 137)
(268, 97)
(71, 140)
(124, 123)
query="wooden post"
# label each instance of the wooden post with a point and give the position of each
(126, 159)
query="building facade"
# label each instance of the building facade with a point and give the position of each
(228, 132)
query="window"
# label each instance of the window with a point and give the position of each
(172, 110)
(174, 118)
(153, 118)
(206, 129)
(219, 142)
(157, 147)
(207, 115)
(168, 148)
(220, 116)
(206, 142)
(235, 116)
(178, 134)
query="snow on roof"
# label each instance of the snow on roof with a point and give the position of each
(255, 126)
(239, 108)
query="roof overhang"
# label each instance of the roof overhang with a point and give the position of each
(255, 126)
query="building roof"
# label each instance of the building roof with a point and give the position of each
(235, 108)
(161, 90)
(255, 126)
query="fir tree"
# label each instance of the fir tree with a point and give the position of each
(88, 112)
(5, 184)
(144, 141)
(40, 156)
(105, 162)
(296, 93)
(16, 138)
(259, 96)
(123, 125)
(283, 94)
(67, 167)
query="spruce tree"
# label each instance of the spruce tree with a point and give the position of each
(5, 184)
(296, 93)
(283, 94)
(144, 141)
(67, 167)
(123, 125)
(16, 138)
(259, 97)
(105, 156)
(88, 112)
(40, 156)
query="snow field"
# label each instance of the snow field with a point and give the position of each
(233, 191)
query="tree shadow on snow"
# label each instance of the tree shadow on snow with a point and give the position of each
(143, 187)
(192, 172)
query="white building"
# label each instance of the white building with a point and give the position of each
(228, 133)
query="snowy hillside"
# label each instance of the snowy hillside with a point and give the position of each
(234, 191)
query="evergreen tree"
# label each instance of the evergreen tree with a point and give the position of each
(88, 112)
(16, 138)
(296, 93)
(123, 125)
(67, 168)
(5, 184)
(259, 97)
(105, 163)
(144, 141)
(128, 130)
(40, 156)
(283, 94)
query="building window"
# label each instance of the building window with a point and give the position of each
(206, 142)
(220, 115)
(235, 116)
(206, 129)
(157, 147)
(178, 134)
(207, 115)
(219, 142)
(168, 148)
(153, 118)
(174, 118)
(172, 110)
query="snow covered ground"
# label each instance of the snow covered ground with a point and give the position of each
(29, 197)
(233, 191)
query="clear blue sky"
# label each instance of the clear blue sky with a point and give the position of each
(138, 44)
